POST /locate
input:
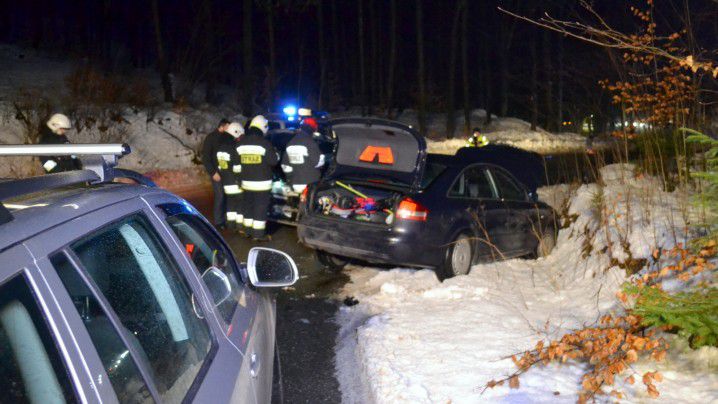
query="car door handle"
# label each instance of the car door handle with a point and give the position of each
(254, 365)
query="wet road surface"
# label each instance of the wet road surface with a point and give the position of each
(306, 331)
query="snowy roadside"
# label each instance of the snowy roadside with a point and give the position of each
(413, 339)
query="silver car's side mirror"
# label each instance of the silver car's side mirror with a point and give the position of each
(218, 284)
(267, 267)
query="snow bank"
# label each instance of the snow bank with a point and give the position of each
(413, 339)
(160, 140)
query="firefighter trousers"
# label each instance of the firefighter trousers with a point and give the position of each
(255, 205)
(234, 215)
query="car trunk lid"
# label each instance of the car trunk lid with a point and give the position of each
(378, 150)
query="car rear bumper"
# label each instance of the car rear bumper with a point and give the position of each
(368, 242)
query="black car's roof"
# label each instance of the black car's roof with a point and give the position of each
(526, 166)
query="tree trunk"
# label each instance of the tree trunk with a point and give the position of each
(465, 64)
(534, 83)
(548, 76)
(362, 64)
(420, 70)
(337, 56)
(486, 66)
(272, 79)
(322, 55)
(503, 74)
(389, 102)
(161, 59)
(211, 50)
(560, 83)
(248, 87)
(450, 117)
(373, 59)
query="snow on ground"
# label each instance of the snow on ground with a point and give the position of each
(413, 339)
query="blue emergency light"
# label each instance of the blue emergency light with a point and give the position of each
(290, 110)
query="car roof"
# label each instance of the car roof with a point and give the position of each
(526, 166)
(32, 214)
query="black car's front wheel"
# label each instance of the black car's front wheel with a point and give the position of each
(331, 262)
(459, 255)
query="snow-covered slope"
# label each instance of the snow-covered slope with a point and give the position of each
(413, 339)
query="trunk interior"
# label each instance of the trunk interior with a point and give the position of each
(347, 201)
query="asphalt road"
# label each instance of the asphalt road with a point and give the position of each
(306, 331)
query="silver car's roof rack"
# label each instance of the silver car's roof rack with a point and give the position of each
(98, 166)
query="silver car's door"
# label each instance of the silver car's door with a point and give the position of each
(241, 314)
(157, 305)
(39, 358)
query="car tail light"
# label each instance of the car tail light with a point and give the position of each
(411, 210)
(303, 196)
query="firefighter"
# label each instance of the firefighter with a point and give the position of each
(210, 163)
(54, 133)
(228, 168)
(302, 160)
(257, 157)
(477, 139)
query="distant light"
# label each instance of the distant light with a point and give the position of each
(290, 119)
(305, 112)
(290, 110)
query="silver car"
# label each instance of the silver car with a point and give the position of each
(124, 293)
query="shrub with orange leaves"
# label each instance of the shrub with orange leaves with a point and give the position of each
(612, 345)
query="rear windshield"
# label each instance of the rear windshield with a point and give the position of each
(431, 172)
(377, 147)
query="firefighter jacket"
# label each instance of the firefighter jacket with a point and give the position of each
(302, 159)
(53, 164)
(209, 151)
(257, 157)
(228, 165)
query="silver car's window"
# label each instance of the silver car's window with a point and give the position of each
(121, 368)
(206, 251)
(151, 298)
(31, 369)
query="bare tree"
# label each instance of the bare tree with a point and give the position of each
(272, 74)
(389, 102)
(322, 54)
(450, 116)
(420, 68)
(248, 85)
(465, 65)
(161, 57)
(362, 62)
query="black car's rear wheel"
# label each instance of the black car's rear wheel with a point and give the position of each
(331, 262)
(459, 256)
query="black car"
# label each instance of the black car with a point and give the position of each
(385, 200)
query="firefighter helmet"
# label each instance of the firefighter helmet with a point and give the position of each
(260, 122)
(235, 129)
(58, 121)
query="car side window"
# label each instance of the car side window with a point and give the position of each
(472, 183)
(121, 368)
(144, 287)
(206, 252)
(31, 367)
(507, 187)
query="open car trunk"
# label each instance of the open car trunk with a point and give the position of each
(377, 149)
(359, 202)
